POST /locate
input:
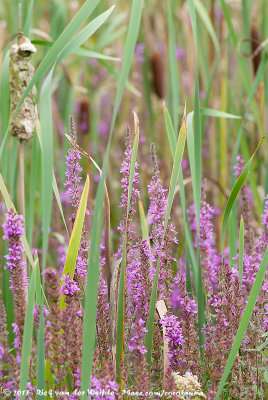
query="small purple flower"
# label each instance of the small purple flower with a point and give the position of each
(103, 128)
(69, 286)
(180, 53)
(139, 52)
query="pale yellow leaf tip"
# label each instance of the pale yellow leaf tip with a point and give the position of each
(184, 112)
(136, 122)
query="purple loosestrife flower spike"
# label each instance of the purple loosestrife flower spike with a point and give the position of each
(210, 259)
(176, 355)
(125, 170)
(55, 346)
(73, 172)
(156, 213)
(13, 230)
(73, 288)
(9, 371)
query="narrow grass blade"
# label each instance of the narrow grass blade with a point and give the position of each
(144, 228)
(172, 144)
(27, 23)
(173, 67)
(38, 281)
(193, 21)
(120, 334)
(27, 335)
(74, 243)
(132, 35)
(241, 249)
(29, 219)
(173, 181)
(244, 322)
(93, 267)
(197, 145)
(236, 189)
(200, 8)
(242, 65)
(93, 54)
(54, 182)
(46, 160)
(210, 112)
(48, 374)
(170, 132)
(197, 150)
(112, 31)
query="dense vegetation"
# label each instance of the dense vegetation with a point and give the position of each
(134, 199)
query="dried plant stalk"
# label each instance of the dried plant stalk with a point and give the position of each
(162, 310)
(20, 74)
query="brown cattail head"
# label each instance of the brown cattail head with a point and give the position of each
(20, 74)
(158, 74)
(83, 114)
(255, 43)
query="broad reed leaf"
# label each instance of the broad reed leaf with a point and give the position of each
(9, 205)
(121, 300)
(46, 160)
(4, 168)
(85, 33)
(4, 113)
(244, 322)
(173, 181)
(236, 189)
(241, 249)
(74, 244)
(94, 254)
(27, 334)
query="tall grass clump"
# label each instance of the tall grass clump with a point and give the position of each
(133, 233)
